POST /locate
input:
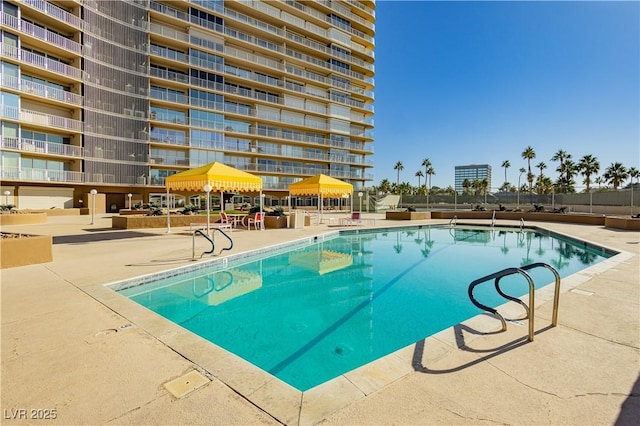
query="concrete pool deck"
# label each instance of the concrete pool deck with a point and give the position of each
(72, 345)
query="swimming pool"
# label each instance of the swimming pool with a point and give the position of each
(321, 308)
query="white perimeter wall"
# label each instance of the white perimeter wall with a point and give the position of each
(31, 197)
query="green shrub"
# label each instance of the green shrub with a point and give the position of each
(155, 211)
(190, 209)
(277, 211)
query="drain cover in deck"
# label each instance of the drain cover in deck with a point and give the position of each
(186, 384)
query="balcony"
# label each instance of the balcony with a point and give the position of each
(28, 29)
(40, 119)
(40, 90)
(169, 161)
(41, 175)
(55, 12)
(241, 36)
(40, 62)
(245, 56)
(44, 147)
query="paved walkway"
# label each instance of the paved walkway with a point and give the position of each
(74, 349)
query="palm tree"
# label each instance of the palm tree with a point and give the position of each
(570, 169)
(506, 164)
(399, 167)
(385, 186)
(426, 163)
(561, 156)
(430, 172)
(587, 166)
(545, 185)
(477, 186)
(633, 173)
(466, 184)
(419, 175)
(529, 154)
(484, 186)
(615, 174)
(541, 166)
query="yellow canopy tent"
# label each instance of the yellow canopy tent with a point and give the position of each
(322, 186)
(218, 176)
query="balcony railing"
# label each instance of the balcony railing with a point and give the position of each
(235, 90)
(41, 175)
(168, 161)
(40, 61)
(40, 33)
(55, 12)
(26, 86)
(32, 145)
(230, 32)
(239, 54)
(39, 118)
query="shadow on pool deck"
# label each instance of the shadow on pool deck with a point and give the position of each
(418, 354)
(630, 409)
(102, 236)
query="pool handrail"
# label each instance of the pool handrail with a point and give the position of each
(213, 244)
(497, 276)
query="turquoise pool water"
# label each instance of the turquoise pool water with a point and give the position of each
(309, 314)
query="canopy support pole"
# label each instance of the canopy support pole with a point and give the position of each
(168, 213)
(261, 210)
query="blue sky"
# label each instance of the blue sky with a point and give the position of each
(477, 82)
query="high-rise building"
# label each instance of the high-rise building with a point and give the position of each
(472, 173)
(117, 95)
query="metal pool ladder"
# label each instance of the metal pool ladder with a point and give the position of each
(453, 221)
(497, 276)
(213, 244)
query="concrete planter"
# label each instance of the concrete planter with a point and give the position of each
(274, 222)
(25, 250)
(59, 212)
(627, 223)
(22, 218)
(408, 215)
(127, 212)
(141, 222)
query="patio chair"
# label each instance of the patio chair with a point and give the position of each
(354, 219)
(257, 220)
(225, 221)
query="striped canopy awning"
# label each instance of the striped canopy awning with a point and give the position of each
(321, 185)
(220, 176)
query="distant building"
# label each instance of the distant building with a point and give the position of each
(472, 172)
